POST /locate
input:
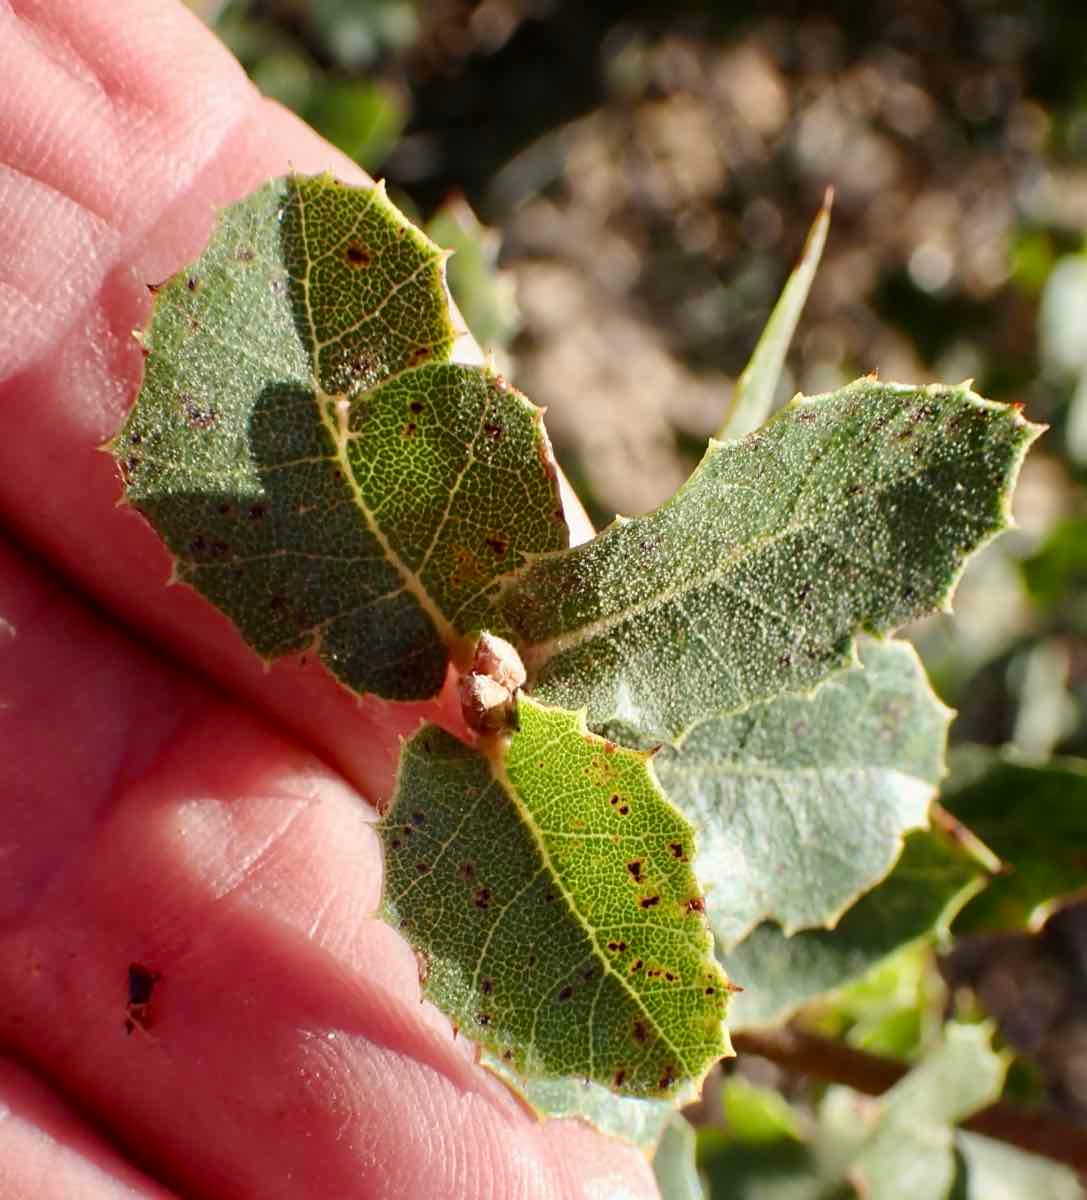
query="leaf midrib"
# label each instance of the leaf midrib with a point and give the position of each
(497, 761)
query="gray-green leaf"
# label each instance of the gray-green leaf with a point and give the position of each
(848, 512)
(321, 470)
(930, 883)
(801, 804)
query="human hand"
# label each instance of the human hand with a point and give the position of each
(164, 800)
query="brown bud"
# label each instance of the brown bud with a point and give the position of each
(487, 706)
(496, 658)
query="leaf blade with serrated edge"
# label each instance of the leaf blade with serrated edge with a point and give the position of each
(320, 469)
(849, 512)
(547, 886)
(801, 803)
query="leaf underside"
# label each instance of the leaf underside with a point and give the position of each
(320, 469)
(929, 884)
(800, 804)
(849, 512)
(548, 888)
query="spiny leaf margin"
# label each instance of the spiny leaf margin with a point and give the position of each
(546, 884)
(320, 469)
(801, 804)
(849, 512)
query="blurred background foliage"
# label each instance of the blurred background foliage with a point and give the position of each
(645, 175)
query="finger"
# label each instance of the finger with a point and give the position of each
(48, 1152)
(284, 1051)
(122, 125)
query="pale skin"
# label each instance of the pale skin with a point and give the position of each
(164, 798)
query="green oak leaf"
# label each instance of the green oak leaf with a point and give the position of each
(753, 398)
(928, 886)
(1033, 816)
(853, 511)
(321, 470)
(801, 803)
(545, 881)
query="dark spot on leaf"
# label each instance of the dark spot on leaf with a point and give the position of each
(357, 254)
(804, 592)
(423, 868)
(419, 355)
(635, 868)
(507, 1056)
(549, 897)
(905, 434)
(785, 661)
(466, 871)
(566, 993)
(395, 844)
(277, 602)
(531, 960)
(617, 947)
(854, 490)
(198, 418)
(483, 1018)
(587, 973)
(494, 431)
(482, 898)
(806, 415)
(614, 799)
(636, 965)
(710, 991)
(666, 1080)
(498, 545)
(257, 511)
(649, 901)
(245, 254)
(416, 406)
(192, 283)
(135, 438)
(278, 286)
(696, 904)
(410, 429)
(617, 1079)
(129, 466)
(669, 977)
(624, 809)
(418, 818)
(486, 986)
(641, 1033)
